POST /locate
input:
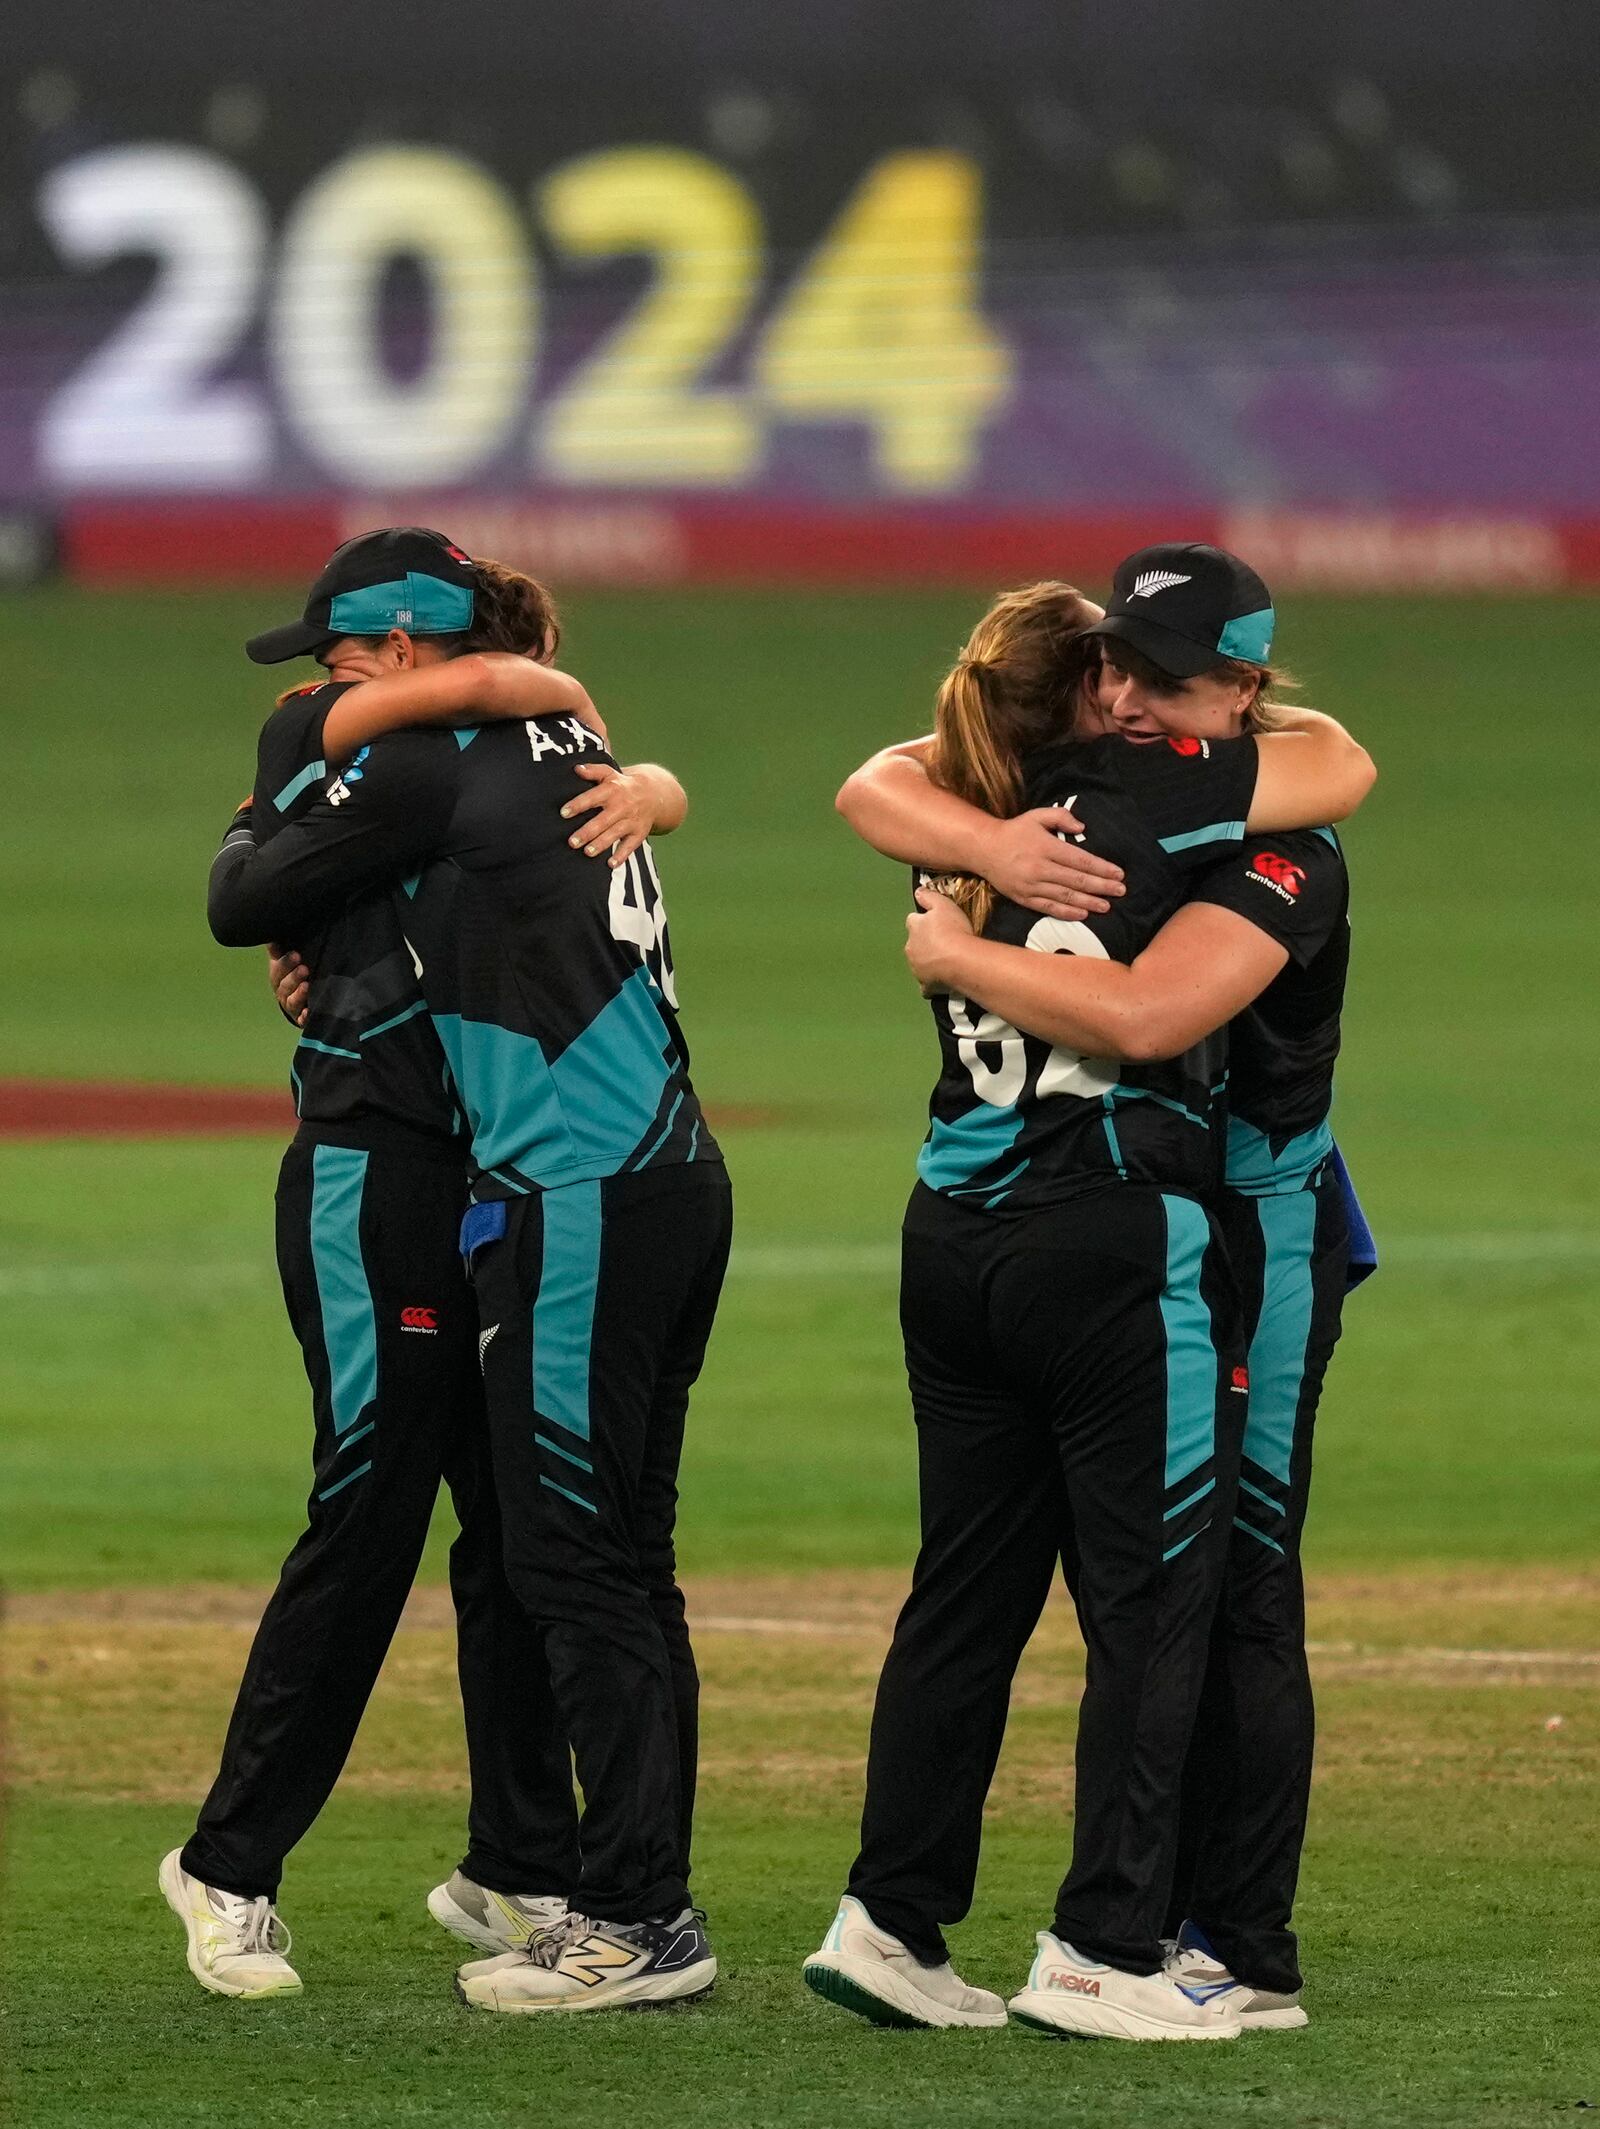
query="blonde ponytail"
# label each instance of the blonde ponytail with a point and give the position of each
(1015, 686)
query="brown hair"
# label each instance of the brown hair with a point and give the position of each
(512, 612)
(1015, 686)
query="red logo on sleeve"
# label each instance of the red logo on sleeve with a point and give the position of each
(1187, 746)
(420, 1319)
(1241, 1380)
(1274, 871)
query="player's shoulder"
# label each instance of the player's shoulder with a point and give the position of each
(1296, 879)
(1049, 772)
(301, 710)
(1175, 756)
(289, 748)
(1313, 855)
(1314, 846)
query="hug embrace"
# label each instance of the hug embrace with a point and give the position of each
(503, 1226)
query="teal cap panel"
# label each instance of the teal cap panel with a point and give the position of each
(422, 605)
(1249, 637)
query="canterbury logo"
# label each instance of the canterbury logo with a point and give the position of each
(595, 1958)
(420, 1319)
(1270, 870)
(1150, 581)
(1074, 1984)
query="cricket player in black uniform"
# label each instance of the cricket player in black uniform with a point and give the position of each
(598, 1237)
(369, 1205)
(1074, 1379)
(1285, 1219)
(1287, 1213)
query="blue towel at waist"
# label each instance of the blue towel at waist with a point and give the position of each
(1363, 1249)
(482, 1223)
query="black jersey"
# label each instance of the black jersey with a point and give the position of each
(1015, 1123)
(547, 975)
(1281, 1049)
(368, 1067)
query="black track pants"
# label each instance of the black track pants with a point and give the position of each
(368, 1251)
(596, 1306)
(1071, 1376)
(1248, 1781)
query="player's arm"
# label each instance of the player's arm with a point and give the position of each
(366, 831)
(892, 804)
(485, 687)
(1308, 774)
(1205, 965)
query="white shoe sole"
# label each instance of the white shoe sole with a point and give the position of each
(883, 1994)
(644, 1994)
(1087, 2018)
(170, 1878)
(1288, 2020)
(467, 1927)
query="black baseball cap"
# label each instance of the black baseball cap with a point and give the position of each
(403, 576)
(1186, 605)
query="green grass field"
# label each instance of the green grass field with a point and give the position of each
(152, 1422)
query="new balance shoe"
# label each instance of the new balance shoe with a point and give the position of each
(1066, 1993)
(236, 1947)
(493, 1921)
(1201, 1975)
(864, 1969)
(579, 1964)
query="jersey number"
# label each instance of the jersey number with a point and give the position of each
(639, 917)
(1064, 1071)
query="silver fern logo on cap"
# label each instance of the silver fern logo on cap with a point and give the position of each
(1146, 585)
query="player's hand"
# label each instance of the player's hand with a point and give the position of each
(1029, 862)
(622, 812)
(942, 925)
(291, 983)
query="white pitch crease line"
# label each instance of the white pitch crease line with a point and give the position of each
(815, 1260)
(864, 1630)
(1529, 1658)
(1487, 1248)
(799, 1260)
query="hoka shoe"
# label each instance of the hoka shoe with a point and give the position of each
(864, 1969)
(1066, 1993)
(583, 1965)
(1201, 1975)
(236, 1947)
(493, 1921)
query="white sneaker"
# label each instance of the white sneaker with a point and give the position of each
(236, 1946)
(1066, 1993)
(1201, 1975)
(493, 1921)
(583, 1965)
(864, 1969)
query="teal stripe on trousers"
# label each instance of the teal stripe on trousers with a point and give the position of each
(563, 1314)
(1191, 1350)
(1278, 1349)
(349, 1326)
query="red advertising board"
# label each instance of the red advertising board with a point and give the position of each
(644, 540)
